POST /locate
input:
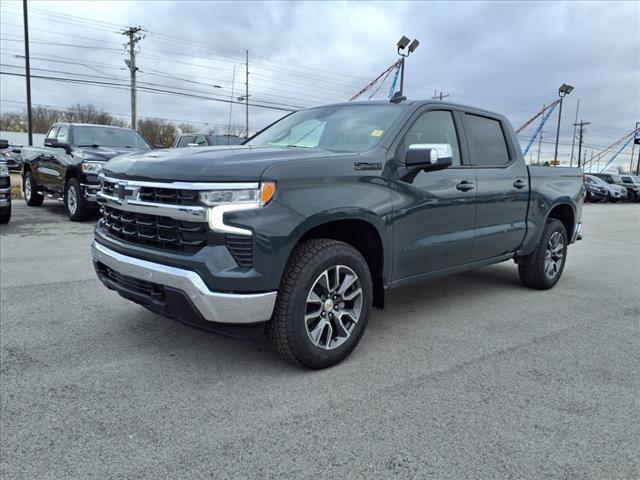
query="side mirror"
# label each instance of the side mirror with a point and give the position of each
(429, 156)
(158, 145)
(192, 145)
(4, 143)
(53, 143)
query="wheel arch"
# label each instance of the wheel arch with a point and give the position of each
(363, 235)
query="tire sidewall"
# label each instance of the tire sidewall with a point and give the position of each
(28, 179)
(80, 212)
(301, 346)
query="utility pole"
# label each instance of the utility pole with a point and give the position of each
(134, 37)
(591, 161)
(233, 84)
(539, 146)
(573, 140)
(27, 68)
(438, 97)
(246, 92)
(636, 135)
(581, 125)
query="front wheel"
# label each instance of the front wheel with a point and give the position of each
(323, 305)
(5, 214)
(542, 269)
(74, 200)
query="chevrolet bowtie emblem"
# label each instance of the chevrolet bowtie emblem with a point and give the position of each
(123, 190)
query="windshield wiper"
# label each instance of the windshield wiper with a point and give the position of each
(298, 146)
(92, 145)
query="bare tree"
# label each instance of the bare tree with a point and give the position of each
(158, 131)
(13, 122)
(90, 114)
(187, 128)
(237, 130)
(43, 117)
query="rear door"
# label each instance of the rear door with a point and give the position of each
(502, 192)
(434, 213)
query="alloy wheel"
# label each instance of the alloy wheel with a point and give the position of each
(553, 255)
(333, 307)
(72, 200)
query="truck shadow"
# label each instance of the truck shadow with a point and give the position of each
(430, 300)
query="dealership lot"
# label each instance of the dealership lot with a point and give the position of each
(466, 376)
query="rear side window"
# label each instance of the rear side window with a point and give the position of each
(184, 141)
(487, 144)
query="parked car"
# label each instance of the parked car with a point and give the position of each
(629, 181)
(5, 193)
(67, 167)
(632, 190)
(309, 223)
(203, 140)
(10, 154)
(615, 193)
(594, 192)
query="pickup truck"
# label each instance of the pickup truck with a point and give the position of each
(67, 167)
(304, 228)
(5, 193)
(204, 140)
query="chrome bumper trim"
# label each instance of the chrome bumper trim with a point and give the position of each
(235, 308)
(183, 185)
(576, 232)
(5, 202)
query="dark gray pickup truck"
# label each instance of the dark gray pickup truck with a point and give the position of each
(306, 226)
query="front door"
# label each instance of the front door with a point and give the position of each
(434, 214)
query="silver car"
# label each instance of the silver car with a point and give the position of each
(616, 192)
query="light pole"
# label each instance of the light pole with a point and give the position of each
(403, 43)
(564, 89)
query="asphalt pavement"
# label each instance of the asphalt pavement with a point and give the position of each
(469, 376)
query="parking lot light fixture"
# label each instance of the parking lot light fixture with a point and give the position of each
(565, 89)
(403, 43)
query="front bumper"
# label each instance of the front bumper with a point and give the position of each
(90, 191)
(176, 292)
(5, 197)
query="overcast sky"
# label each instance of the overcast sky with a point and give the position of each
(509, 57)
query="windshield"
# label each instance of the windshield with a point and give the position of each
(108, 137)
(597, 180)
(341, 128)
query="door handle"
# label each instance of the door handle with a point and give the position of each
(519, 183)
(463, 186)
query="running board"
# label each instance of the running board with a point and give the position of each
(52, 196)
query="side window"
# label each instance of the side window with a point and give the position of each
(63, 134)
(486, 141)
(435, 126)
(53, 132)
(187, 139)
(201, 141)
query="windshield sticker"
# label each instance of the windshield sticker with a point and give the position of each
(377, 133)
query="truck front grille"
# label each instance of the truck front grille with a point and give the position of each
(155, 231)
(168, 222)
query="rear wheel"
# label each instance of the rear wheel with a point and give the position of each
(542, 269)
(323, 304)
(31, 195)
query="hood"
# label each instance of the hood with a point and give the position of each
(240, 163)
(102, 154)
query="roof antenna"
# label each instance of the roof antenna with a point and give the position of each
(397, 98)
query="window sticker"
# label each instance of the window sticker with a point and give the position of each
(377, 133)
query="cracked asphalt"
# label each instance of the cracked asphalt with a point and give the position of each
(469, 376)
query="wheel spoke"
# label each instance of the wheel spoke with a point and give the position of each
(316, 333)
(346, 283)
(353, 294)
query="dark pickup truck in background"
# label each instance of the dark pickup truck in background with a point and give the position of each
(307, 225)
(67, 167)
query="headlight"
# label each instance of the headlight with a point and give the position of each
(4, 170)
(232, 200)
(92, 167)
(250, 197)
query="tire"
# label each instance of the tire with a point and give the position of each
(543, 268)
(5, 214)
(31, 195)
(298, 331)
(74, 201)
